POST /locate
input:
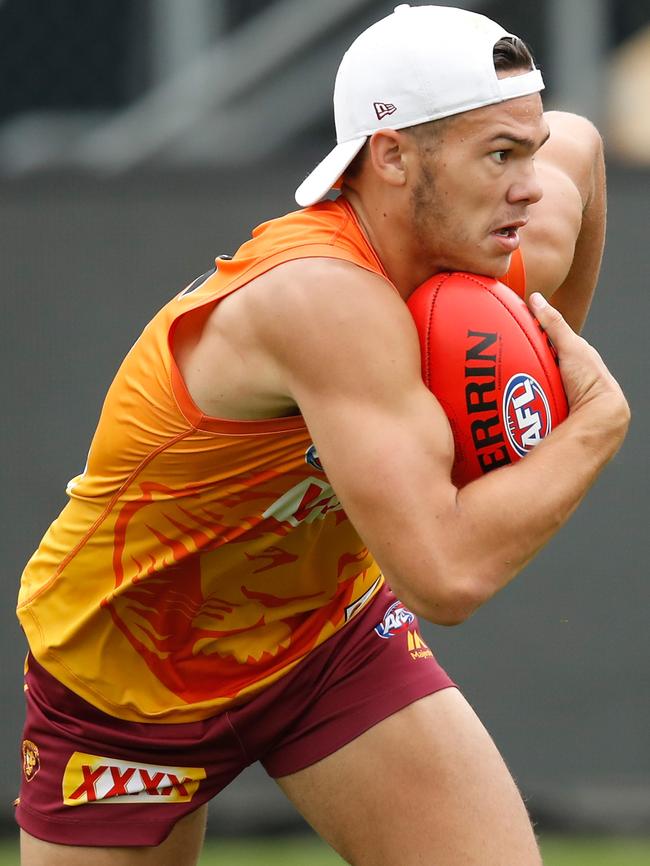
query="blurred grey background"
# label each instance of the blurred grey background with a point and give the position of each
(141, 138)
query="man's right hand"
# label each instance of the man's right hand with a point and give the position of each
(589, 385)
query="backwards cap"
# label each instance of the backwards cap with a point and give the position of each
(421, 63)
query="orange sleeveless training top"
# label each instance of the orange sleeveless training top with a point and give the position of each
(198, 559)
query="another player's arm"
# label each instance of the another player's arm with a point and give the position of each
(563, 242)
(352, 364)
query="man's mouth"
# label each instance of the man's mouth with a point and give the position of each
(507, 236)
(509, 230)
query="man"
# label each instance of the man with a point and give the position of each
(208, 598)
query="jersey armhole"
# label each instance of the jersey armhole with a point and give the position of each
(208, 423)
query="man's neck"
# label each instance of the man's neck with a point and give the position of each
(390, 241)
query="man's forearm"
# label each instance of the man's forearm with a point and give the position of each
(514, 512)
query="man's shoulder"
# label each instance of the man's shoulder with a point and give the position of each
(313, 271)
(316, 287)
(574, 125)
(572, 149)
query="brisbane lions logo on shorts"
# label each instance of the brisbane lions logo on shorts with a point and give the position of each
(396, 619)
(31, 759)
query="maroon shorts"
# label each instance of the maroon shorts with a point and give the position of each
(91, 779)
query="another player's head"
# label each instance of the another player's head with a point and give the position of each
(411, 92)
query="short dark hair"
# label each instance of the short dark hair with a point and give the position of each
(510, 53)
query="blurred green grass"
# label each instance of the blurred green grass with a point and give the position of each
(307, 851)
(557, 851)
(606, 851)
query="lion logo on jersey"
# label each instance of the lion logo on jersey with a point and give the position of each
(164, 599)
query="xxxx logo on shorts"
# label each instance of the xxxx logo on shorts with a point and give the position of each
(96, 779)
(31, 759)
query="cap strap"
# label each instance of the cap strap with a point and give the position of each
(521, 85)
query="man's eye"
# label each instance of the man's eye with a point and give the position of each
(499, 156)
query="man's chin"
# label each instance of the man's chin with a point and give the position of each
(496, 268)
(502, 271)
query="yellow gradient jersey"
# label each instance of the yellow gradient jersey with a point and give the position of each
(198, 559)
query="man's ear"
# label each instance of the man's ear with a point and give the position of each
(387, 151)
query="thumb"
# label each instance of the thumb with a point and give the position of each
(551, 320)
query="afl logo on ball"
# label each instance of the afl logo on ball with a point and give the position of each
(526, 413)
(31, 760)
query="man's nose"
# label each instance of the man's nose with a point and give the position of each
(526, 188)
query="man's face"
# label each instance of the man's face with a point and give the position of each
(475, 185)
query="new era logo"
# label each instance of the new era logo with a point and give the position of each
(383, 108)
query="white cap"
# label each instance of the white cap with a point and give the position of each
(421, 63)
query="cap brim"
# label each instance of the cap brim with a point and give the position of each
(328, 171)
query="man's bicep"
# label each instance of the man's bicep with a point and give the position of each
(382, 437)
(548, 241)
(573, 298)
(359, 370)
(376, 452)
(390, 468)
(563, 242)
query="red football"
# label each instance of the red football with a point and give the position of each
(492, 368)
